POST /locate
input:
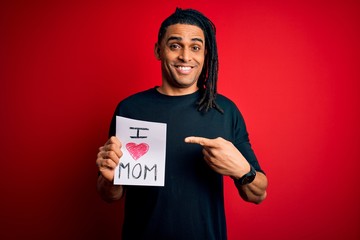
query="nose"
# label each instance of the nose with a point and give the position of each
(185, 55)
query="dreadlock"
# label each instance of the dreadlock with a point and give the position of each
(207, 82)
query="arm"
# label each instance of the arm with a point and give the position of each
(107, 159)
(224, 158)
(255, 191)
(108, 191)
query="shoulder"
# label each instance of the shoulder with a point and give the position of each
(231, 110)
(138, 98)
(226, 103)
(149, 93)
(136, 104)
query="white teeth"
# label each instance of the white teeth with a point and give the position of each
(184, 68)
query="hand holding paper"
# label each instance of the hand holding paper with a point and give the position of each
(222, 156)
(108, 158)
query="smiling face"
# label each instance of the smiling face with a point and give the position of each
(182, 55)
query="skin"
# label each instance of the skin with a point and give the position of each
(224, 158)
(182, 53)
(107, 159)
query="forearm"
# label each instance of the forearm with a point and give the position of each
(254, 192)
(108, 191)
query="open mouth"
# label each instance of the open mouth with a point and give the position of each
(183, 69)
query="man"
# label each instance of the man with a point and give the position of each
(206, 140)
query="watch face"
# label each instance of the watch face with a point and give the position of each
(249, 178)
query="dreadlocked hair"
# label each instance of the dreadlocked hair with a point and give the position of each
(207, 82)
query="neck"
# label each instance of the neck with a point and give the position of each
(176, 91)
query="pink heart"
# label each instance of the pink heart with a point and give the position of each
(137, 150)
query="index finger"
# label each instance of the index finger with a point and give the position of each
(205, 142)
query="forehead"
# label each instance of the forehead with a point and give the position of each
(185, 31)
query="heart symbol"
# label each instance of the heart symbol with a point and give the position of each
(137, 150)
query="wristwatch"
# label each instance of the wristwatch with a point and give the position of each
(247, 178)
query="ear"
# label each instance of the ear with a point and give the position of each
(157, 51)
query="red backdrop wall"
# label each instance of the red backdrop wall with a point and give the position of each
(292, 68)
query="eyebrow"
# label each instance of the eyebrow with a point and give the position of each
(180, 38)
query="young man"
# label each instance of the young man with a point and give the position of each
(206, 140)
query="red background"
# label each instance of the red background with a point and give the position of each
(292, 67)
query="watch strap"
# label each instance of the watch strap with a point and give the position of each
(247, 178)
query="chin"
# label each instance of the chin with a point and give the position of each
(186, 83)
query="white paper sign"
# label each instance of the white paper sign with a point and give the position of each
(143, 148)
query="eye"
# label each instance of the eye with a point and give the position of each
(196, 48)
(174, 46)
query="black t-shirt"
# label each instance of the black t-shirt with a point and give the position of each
(191, 204)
